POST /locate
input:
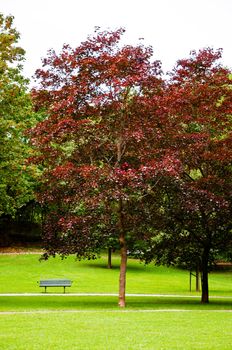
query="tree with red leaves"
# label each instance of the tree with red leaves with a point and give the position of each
(196, 223)
(126, 155)
(94, 143)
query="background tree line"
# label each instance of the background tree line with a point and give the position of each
(17, 178)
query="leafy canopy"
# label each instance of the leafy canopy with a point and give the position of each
(15, 116)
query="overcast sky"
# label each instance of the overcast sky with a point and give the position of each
(172, 27)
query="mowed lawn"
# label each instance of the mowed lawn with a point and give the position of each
(20, 273)
(173, 319)
(116, 330)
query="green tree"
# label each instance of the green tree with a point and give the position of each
(15, 117)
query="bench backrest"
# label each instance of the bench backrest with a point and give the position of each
(55, 283)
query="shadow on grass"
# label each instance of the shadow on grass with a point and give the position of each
(102, 266)
(82, 303)
(179, 303)
(138, 268)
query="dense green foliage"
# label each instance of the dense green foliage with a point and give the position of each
(15, 117)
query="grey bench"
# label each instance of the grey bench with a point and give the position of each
(55, 283)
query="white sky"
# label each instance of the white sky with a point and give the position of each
(172, 27)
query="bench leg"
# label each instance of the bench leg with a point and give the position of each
(64, 289)
(45, 289)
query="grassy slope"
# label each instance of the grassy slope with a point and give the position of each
(20, 273)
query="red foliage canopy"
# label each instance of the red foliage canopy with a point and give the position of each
(115, 129)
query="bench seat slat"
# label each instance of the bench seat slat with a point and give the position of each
(55, 283)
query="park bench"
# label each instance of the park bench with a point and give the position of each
(55, 283)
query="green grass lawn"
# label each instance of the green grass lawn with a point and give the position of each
(20, 273)
(177, 321)
(116, 330)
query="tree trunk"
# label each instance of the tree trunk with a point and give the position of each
(122, 278)
(122, 236)
(197, 278)
(109, 265)
(123, 253)
(204, 277)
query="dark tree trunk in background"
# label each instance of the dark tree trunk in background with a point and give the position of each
(204, 277)
(109, 265)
